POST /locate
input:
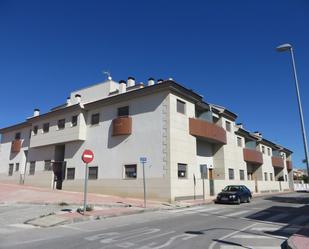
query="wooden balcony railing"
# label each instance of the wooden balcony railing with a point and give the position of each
(277, 162)
(253, 156)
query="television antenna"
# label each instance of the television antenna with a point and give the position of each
(109, 76)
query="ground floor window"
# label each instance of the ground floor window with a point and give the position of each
(286, 178)
(231, 174)
(32, 168)
(241, 174)
(17, 167)
(265, 176)
(11, 168)
(204, 171)
(130, 171)
(182, 170)
(93, 173)
(47, 165)
(271, 176)
(70, 173)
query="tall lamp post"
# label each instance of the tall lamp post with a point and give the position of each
(288, 47)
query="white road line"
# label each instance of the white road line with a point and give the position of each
(156, 236)
(250, 236)
(249, 247)
(238, 213)
(299, 220)
(231, 234)
(265, 229)
(194, 209)
(277, 217)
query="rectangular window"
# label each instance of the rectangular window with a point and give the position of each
(231, 174)
(271, 176)
(123, 111)
(182, 170)
(181, 106)
(241, 174)
(18, 135)
(61, 124)
(130, 171)
(74, 120)
(263, 149)
(204, 171)
(45, 127)
(95, 118)
(16, 166)
(268, 151)
(35, 129)
(70, 173)
(93, 173)
(265, 176)
(47, 165)
(11, 168)
(32, 168)
(228, 125)
(239, 141)
(286, 178)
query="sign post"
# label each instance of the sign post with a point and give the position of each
(87, 157)
(143, 160)
(204, 175)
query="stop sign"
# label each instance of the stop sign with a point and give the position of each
(87, 156)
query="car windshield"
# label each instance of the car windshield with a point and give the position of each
(231, 188)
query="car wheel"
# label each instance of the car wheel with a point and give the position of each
(238, 201)
(249, 199)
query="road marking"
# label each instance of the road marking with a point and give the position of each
(25, 226)
(156, 236)
(265, 229)
(238, 213)
(193, 209)
(231, 234)
(250, 236)
(249, 247)
(299, 220)
(277, 217)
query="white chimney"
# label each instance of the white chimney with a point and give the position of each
(151, 81)
(78, 98)
(130, 82)
(240, 125)
(36, 112)
(122, 86)
(68, 101)
(159, 81)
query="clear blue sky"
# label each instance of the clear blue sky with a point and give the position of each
(222, 49)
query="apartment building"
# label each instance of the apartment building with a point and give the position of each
(193, 148)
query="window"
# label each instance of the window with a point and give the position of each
(18, 135)
(74, 120)
(123, 111)
(61, 124)
(32, 168)
(93, 173)
(182, 170)
(286, 178)
(95, 118)
(45, 127)
(239, 142)
(271, 176)
(47, 165)
(265, 176)
(130, 171)
(228, 125)
(263, 149)
(268, 151)
(70, 173)
(181, 106)
(241, 174)
(204, 171)
(11, 168)
(35, 129)
(231, 174)
(16, 166)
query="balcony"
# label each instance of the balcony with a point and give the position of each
(122, 126)
(289, 165)
(16, 146)
(253, 156)
(277, 162)
(207, 131)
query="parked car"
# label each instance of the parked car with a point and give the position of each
(234, 194)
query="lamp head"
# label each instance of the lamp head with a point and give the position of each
(284, 47)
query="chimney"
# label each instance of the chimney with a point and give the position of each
(122, 86)
(130, 81)
(257, 133)
(151, 81)
(159, 81)
(78, 98)
(36, 112)
(68, 101)
(240, 125)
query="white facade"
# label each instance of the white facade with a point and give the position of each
(156, 130)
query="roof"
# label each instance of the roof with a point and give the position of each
(223, 111)
(15, 127)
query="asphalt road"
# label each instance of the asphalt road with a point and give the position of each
(262, 224)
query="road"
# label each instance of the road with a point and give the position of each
(262, 224)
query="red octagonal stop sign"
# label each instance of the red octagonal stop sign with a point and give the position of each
(87, 156)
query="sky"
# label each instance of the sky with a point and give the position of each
(224, 50)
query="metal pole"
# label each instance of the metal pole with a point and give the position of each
(300, 111)
(144, 182)
(85, 189)
(203, 188)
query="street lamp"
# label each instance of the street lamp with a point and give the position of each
(288, 47)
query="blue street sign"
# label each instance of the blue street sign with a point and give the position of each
(143, 159)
